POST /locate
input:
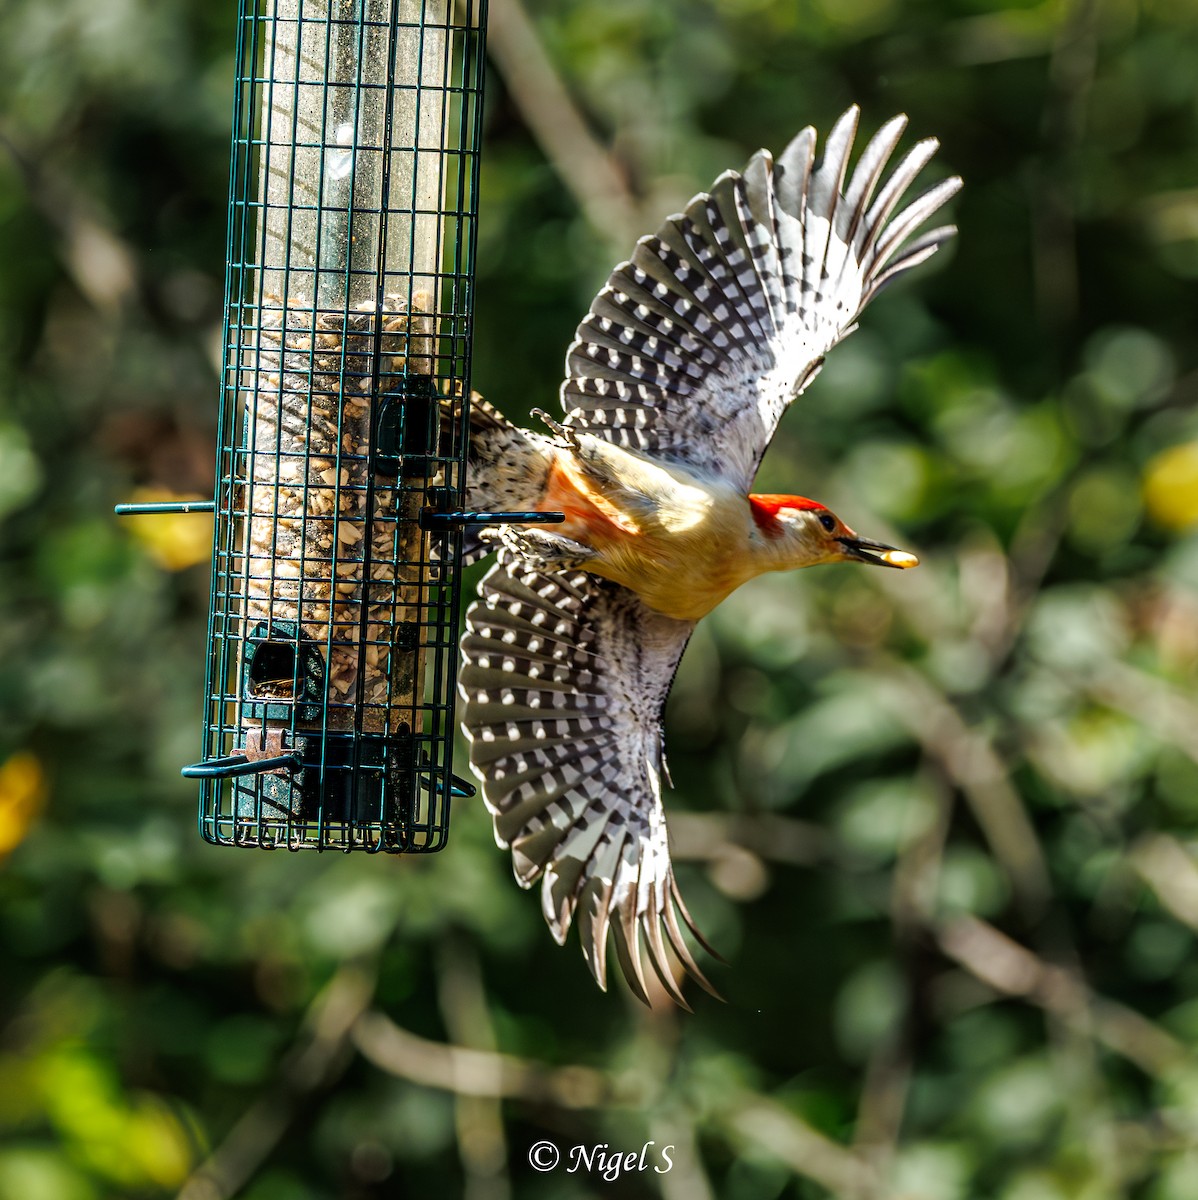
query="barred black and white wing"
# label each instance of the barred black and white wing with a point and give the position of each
(697, 345)
(563, 680)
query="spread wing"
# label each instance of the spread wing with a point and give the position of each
(697, 345)
(563, 680)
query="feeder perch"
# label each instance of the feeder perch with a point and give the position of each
(349, 304)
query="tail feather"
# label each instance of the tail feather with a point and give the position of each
(506, 466)
(483, 415)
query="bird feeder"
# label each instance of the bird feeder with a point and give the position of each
(349, 303)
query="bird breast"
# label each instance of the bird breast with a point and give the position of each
(680, 541)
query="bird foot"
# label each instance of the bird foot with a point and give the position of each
(539, 549)
(568, 435)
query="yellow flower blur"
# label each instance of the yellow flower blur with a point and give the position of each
(1171, 486)
(175, 540)
(22, 797)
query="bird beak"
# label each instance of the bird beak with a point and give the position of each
(877, 553)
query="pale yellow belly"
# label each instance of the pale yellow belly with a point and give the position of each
(685, 592)
(680, 568)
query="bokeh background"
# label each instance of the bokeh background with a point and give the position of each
(942, 823)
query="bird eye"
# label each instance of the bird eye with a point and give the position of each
(827, 521)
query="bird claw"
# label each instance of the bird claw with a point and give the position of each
(568, 435)
(539, 549)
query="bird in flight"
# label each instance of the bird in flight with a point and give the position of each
(675, 383)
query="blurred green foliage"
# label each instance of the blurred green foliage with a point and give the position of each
(943, 823)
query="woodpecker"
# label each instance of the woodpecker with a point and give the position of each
(675, 383)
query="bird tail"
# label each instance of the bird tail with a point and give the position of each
(506, 467)
(484, 416)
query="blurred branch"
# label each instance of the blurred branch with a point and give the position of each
(655, 1051)
(1034, 545)
(917, 870)
(765, 1124)
(1013, 970)
(1054, 237)
(996, 37)
(467, 1072)
(1164, 710)
(743, 1116)
(1170, 871)
(891, 1064)
(582, 163)
(687, 1180)
(702, 837)
(884, 1094)
(482, 1145)
(984, 578)
(971, 763)
(102, 266)
(315, 1061)
(750, 1119)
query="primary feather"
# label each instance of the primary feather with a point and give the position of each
(697, 345)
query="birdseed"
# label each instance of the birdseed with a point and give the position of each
(327, 543)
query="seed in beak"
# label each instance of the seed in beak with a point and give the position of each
(899, 558)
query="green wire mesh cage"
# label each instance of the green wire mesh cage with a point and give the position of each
(335, 586)
(351, 233)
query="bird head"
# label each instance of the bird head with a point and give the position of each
(801, 533)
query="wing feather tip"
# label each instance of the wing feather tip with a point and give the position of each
(627, 944)
(659, 959)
